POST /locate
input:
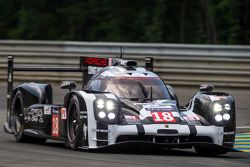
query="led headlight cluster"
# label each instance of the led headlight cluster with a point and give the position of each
(106, 108)
(221, 111)
(100, 104)
(219, 107)
(225, 117)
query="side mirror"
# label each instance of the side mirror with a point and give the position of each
(206, 88)
(68, 85)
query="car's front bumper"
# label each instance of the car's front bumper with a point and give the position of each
(168, 130)
(159, 134)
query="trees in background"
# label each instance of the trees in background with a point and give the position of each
(179, 21)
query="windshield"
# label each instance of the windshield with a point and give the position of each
(135, 87)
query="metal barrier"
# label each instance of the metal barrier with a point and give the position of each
(177, 64)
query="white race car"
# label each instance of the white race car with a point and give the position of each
(122, 104)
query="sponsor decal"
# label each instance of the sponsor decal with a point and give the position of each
(217, 98)
(101, 130)
(55, 126)
(83, 114)
(63, 113)
(100, 62)
(160, 104)
(165, 109)
(159, 116)
(85, 128)
(191, 117)
(229, 133)
(35, 115)
(131, 119)
(137, 78)
(222, 97)
(93, 70)
(55, 111)
(47, 110)
(214, 98)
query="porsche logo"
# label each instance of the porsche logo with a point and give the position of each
(166, 126)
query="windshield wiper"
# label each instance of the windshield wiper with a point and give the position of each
(144, 90)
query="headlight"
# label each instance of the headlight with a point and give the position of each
(111, 116)
(227, 107)
(110, 105)
(102, 114)
(100, 104)
(218, 118)
(217, 107)
(226, 117)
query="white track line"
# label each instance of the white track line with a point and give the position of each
(242, 127)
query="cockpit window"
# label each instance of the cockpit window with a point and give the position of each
(95, 85)
(134, 87)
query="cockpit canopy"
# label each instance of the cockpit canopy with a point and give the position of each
(133, 84)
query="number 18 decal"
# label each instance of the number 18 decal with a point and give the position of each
(55, 125)
(163, 117)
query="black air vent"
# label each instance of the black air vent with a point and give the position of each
(167, 131)
(131, 63)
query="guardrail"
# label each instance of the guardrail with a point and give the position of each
(177, 64)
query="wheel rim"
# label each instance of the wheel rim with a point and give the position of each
(17, 125)
(73, 122)
(17, 117)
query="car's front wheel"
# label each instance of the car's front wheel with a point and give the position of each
(75, 125)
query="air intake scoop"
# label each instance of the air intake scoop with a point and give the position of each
(124, 62)
(131, 63)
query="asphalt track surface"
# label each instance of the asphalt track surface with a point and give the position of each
(52, 153)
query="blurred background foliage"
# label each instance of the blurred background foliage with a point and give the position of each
(165, 21)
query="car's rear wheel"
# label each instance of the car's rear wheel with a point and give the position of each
(74, 124)
(18, 121)
(208, 151)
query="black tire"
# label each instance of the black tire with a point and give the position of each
(18, 121)
(18, 118)
(204, 151)
(74, 124)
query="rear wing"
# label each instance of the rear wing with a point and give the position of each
(88, 66)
